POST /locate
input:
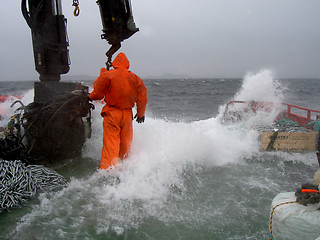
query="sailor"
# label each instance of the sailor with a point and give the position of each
(121, 89)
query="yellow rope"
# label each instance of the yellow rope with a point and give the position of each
(10, 124)
(271, 216)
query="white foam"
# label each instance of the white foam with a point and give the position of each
(261, 86)
(162, 151)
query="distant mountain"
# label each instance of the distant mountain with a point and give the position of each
(91, 78)
(80, 78)
(168, 76)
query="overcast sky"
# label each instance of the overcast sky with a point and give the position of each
(202, 38)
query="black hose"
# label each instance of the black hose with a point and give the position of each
(25, 13)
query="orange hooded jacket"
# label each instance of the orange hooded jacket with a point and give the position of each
(120, 87)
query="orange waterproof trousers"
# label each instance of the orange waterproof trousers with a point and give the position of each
(117, 136)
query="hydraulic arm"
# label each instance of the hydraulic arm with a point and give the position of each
(117, 22)
(50, 40)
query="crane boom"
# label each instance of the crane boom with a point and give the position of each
(49, 35)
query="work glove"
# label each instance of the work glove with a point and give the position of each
(139, 119)
(89, 100)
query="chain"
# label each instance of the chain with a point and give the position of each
(109, 63)
(76, 11)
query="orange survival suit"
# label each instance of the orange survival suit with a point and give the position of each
(121, 89)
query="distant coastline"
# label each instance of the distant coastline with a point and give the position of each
(88, 78)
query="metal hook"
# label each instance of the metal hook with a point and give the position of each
(76, 11)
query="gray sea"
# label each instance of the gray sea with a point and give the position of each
(189, 176)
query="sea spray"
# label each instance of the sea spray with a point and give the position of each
(261, 86)
(262, 95)
(162, 150)
(183, 180)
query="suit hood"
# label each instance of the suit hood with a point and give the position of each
(121, 61)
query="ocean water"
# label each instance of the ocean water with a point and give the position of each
(189, 176)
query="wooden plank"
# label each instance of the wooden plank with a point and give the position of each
(290, 141)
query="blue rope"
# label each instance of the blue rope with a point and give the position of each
(270, 237)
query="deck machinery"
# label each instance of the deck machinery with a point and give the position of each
(54, 123)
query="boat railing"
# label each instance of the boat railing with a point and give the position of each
(309, 112)
(300, 114)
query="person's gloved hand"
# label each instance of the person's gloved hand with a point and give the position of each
(89, 100)
(139, 119)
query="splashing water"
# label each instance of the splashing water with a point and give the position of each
(183, 180)
(260, 87)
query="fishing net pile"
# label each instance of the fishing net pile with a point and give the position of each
(282, 125)
(19, 180)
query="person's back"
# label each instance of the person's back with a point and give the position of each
(120, 87)
(123, 86)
